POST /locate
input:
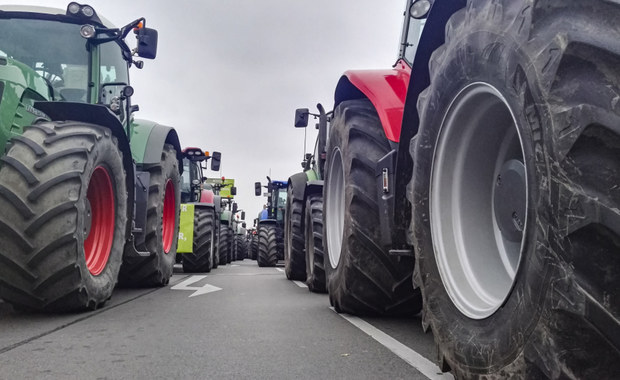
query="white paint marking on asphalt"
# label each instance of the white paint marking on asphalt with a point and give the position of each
(234, 265)
(280, 269)
(417, 361)
(199, 290)
(300, 284)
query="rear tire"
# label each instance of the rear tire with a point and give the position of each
(362, 277)
(294, 258)
(64, 217)
(315, 269)
(267, 246)
(523, 99)
(162, 226)
(201, 259)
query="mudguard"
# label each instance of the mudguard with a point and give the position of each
(386, 89)
(298, 181)
(148, 139)
(207, 196)
(186, 226)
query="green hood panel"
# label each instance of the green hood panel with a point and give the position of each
(312, 175)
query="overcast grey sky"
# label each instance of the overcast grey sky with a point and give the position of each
(230, 73)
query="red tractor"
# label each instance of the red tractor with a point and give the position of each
(198, 233)
(477, 181)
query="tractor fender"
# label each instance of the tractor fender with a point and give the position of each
(148, 139)
(207, 196)
(386, 90)
(298, 183)
(217, 201)
(98, 115)
(226, 216)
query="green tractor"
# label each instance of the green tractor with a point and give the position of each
(271, 223)
(84, 186)
(225, 191)
(197, 233)
(303, 226)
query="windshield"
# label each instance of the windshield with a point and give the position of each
(186, 182)
(281, 204)
(55, 50)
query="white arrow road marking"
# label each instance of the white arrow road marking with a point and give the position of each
(199, 290)
(280, 270)
(300, 284)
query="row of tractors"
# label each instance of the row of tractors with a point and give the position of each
(90, 196)
(475, 183)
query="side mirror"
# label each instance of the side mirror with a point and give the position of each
(243, 217)
(233, 190)
(216, 159)
(301, 117)
(235, 207)
(258, 188)
(147, 43)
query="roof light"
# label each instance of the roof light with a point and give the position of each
(88, 11)
(73, 8)
(419, 9)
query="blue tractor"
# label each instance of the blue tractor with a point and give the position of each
(271, 223)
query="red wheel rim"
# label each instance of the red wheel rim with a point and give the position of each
(98, 243)
(168, 217)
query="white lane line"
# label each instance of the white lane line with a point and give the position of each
(280, 269)
(417, 361)
(300, 284)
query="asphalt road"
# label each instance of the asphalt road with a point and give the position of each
(237, 322)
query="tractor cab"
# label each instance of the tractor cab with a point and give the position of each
(276, 198)
(192, 179)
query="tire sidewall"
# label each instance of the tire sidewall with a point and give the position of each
(107, 155)
(500, 337)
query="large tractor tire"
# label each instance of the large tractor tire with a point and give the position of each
(294, 257)
(254, 247)
(162, 226)
(241, 247)
(216, 241)
(362, 277)
(231, 242)
(224, 246)
(64, 217)
(315, 269)
(267, 246)
(515, 191)
(201, 260)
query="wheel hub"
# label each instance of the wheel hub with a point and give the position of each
(478, 200)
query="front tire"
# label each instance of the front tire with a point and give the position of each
(315, 266)
(224, 244)
(294, 258)
(514, 187)
(162, 226)
(362, 278)
(201, 259)
(267, 245)
(64, 217)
